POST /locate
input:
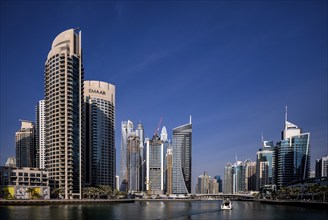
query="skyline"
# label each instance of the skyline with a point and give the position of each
(233, 66)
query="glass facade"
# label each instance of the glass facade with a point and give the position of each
(100, 133)
(155, 165)
(293, 159)
(182, 155)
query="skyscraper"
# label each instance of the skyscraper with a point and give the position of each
(265, 165)
(169, 173)
(203, 183)
(250, 175)
(155, 165)
(126, 130)
(40, 134)
(25, 145)
(99, 126)
(133, 163)
(63, 92)
(228, 179)
(293, 155)
(182, 156)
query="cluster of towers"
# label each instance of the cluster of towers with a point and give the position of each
(276, 166)
(157, 165)
(73, 137)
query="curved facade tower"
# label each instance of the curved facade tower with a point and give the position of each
(100, 158)
(181, 144)
(63, 92)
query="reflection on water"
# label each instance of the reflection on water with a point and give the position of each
(161, 210)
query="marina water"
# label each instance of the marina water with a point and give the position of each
(208, 209)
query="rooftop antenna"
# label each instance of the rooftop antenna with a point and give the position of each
(262, 139)
(286, 118)
(190, 120)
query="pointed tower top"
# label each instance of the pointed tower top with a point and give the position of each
(190, 120)
(286, 118)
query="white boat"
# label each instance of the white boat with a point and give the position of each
(226, 205)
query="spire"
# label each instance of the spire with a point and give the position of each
(262, 139)
(190, 120)
(286, 118)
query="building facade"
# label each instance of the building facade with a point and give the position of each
(321, 167)
(25, 145)
(133, 163)
(250, 175)
(265, 165)
(63, 92)
(292, 155)
(182, 158)
(228, 179)
(100, 152)
(126, 131)
(40, 134)
(155, 166)
(24, 183)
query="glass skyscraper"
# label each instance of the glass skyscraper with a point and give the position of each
(182, 156)
(293, 155)
(126, 131)
(100, 153)
(265, 165)
(63, 93)
(155, 165)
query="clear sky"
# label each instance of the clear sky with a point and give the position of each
(232, 65)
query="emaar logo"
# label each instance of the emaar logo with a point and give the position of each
(97, 91)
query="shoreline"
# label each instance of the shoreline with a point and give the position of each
(40, 202)
(299, 203)
(61, 201)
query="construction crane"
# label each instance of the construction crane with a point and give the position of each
(159, 124)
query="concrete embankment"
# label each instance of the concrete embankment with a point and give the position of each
(62, 201)
(305, 204)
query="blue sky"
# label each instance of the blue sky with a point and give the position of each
(232, 65)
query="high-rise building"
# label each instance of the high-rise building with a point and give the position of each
(155, 165)
(169, 170)
(166, 143)
(219, 181)
(250, 175)
(321, 167)
(40, 135)
(63, 92)
(238, 181)
(126, 130)
(228, 179)
(265, 165)
(182, 156)
(140, 133)
(203, 183)
(213, 186)
(292, 155)
(25, 145)
(100, 153)
(133, 163)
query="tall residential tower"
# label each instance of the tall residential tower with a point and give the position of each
(63, 93)
(99, 98)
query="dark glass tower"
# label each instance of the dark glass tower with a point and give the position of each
(182, 156)
(100, 133)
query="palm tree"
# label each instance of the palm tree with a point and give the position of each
(30, 192)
